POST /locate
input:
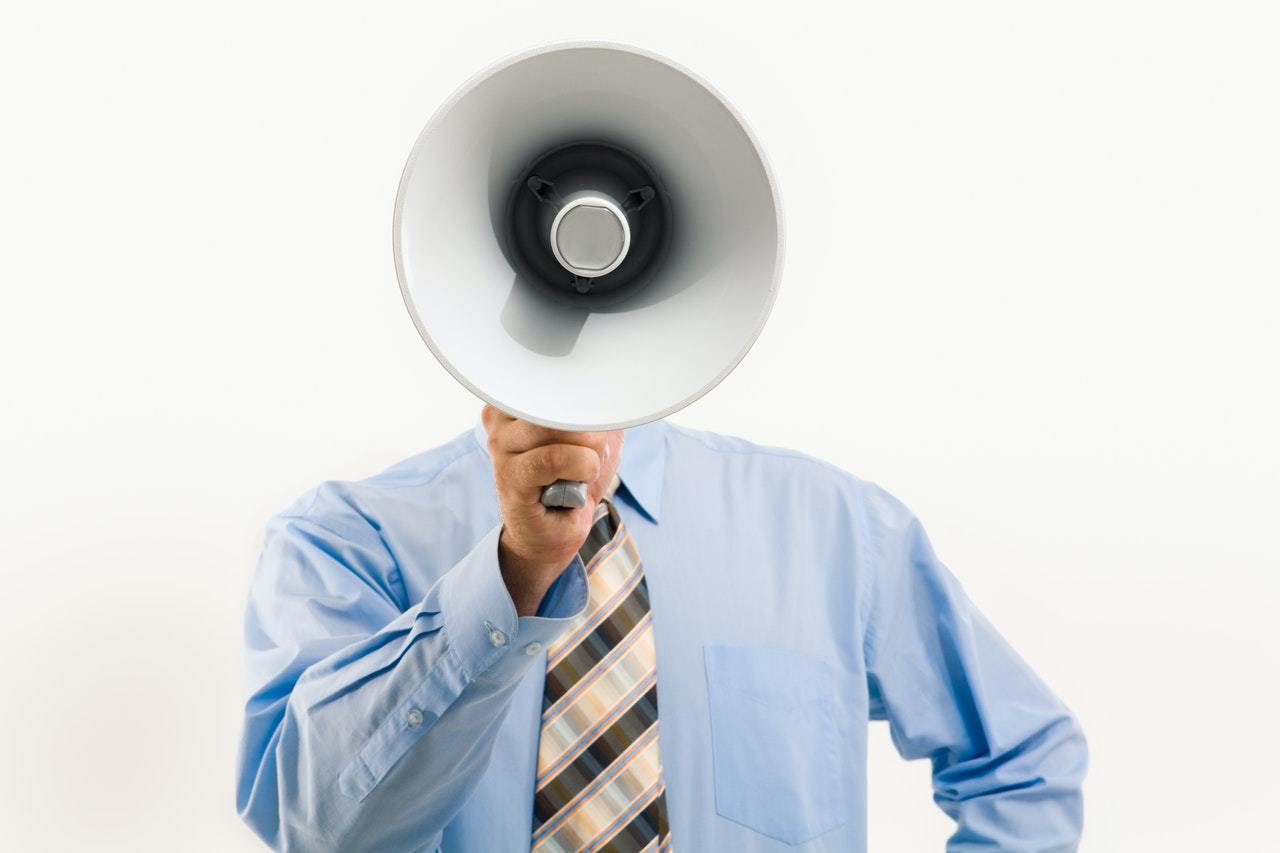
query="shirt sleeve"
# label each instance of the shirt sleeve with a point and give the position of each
(369, 724)
(1008, 757)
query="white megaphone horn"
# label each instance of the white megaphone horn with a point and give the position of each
(588, 237)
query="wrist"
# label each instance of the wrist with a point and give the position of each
(527, 580)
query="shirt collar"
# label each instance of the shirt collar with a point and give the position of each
(643, 466)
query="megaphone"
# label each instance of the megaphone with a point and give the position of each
(588, 237)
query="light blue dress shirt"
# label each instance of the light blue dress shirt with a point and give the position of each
(395, 694)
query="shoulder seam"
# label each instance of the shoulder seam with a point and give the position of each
(425, 480)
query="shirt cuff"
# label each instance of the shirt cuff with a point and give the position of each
(480, 621)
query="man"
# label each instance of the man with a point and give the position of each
(440, 662)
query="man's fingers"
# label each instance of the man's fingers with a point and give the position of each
(518, 436)
(527, 457)
(543, 465)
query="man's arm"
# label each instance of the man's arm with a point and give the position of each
(368, 727)
(1008, 758)
(371, 720)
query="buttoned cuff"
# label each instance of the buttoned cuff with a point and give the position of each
(480, 623)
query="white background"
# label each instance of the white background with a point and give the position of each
(1031, 289)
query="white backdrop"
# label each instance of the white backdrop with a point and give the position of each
(1031, 289)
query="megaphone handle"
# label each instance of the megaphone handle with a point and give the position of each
(567, 494)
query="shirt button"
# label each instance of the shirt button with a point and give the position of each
(532, 649)
(414, 718)
(497, 638)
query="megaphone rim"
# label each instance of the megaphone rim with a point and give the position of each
(554, 47)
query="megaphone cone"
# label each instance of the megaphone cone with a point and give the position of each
(588, 236)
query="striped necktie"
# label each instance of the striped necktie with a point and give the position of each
(599, 783)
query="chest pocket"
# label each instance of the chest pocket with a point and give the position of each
(776, 752)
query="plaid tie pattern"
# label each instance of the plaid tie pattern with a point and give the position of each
(599, 783)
